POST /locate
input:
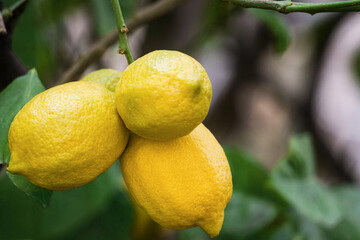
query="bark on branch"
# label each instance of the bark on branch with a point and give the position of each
(10, 65)
(95, 52)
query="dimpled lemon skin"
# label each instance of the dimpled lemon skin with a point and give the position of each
(67, 136)
(106, 77)
(181, 183)
(163, 95)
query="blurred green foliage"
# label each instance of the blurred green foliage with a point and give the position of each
(69, 211)
(286, 203)
(277, 26)
(40, 37)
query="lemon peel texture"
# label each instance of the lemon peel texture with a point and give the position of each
(163, 95)
(181, 183)
(67, 136)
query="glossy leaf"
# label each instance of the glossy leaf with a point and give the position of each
(12, 99)
(105, 19)
(294, 179)
(41, 194)
(249, 176)
(300, 160)
(245, 215)
(308, 230)
(349, 227)
(291, 225)
(104, 14)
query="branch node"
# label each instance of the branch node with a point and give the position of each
(123, 42)
(283, 9)
(120, 51)
(7, 13)
(124, 29)
(145, 15)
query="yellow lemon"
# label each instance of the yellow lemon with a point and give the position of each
(106, 77)
(163, 95)
(67, 136)
(181, 183)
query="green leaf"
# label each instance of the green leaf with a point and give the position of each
(105, 19)
(245, 215)
(349, 227)
(54, 10)
(104, 14)
(308, 230)
(12, 99)
(250, 177)
(23, 218)
(41, 194)
(300, 160)
(290, 225)
(294, 179)
(277, 26)
(285, 231)
(248, 174)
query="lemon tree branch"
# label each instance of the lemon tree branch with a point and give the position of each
(124, 47)
(289, 6)
(94, 53)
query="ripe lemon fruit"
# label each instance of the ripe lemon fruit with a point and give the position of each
(181, 183)
(67, 136)
(109, 78)
(163, 95)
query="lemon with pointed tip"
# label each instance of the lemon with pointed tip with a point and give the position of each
(67, 136)
(107, 77)
(181, 183)
(163, 95)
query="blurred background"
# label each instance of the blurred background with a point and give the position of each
(285, 107)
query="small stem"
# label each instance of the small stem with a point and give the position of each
(122, 30)
(7, 12)
(287, 6)
(94, 53)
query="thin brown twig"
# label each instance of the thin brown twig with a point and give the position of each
(143, 16)
(11, 66)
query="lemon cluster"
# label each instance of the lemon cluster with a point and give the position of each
(150, 117)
